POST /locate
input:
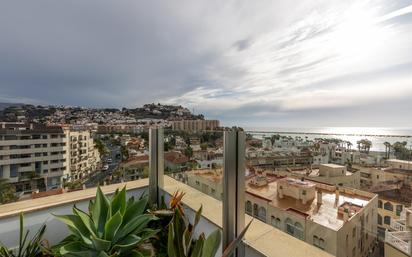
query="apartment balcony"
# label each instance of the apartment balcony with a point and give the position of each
(399, 225)
(31, 141)
(399, 240)
(260, 240)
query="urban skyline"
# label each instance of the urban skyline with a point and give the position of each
(323, 63)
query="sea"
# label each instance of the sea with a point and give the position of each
(378, 136)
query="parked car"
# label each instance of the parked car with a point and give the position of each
(105, 167)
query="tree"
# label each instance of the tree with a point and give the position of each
(7, 192)
(364, 145)
(273, 138)
(203, 146)
(100, 147)
(189, 152)
(401, 152)
(125, 153)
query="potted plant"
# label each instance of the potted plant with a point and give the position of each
(27, 247)
(112, 227)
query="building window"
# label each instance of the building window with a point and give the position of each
(388, 206)
(278, 223)
(321, 243)
(13, 170)
(262, 214)
(354, 232)
(379, 219)
(298, 230)
(387, 220)
(380, 204)
(399, 209)
(295, 229)
(273, 220)
(255, 210)
(248, 207)
(315, 241)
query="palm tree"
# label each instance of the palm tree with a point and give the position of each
(359, 144)
(387, 149)
(368, 145)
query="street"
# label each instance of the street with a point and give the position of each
(100, 175)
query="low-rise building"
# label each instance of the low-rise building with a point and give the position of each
(332, 174)
(399, 164)
(341, 221)
(175, 161)
(398, 242)
(134, 168)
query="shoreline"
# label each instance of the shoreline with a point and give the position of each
(325, 134)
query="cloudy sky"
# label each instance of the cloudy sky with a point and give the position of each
(252, 63)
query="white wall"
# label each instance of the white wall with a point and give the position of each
(55, 230)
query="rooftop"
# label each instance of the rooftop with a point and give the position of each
(332, 165)
(399, 161)
(213, 175)
(325, 214)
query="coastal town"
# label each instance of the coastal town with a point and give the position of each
(342, 198)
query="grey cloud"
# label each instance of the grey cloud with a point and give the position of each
(242, 44)
(127, 53)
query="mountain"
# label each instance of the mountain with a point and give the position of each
(6, 105)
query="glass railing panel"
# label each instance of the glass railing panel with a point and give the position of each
(302, 183)
(195, 159)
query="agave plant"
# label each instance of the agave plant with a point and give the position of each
(27, 248)
(113, 227)
(181, 241)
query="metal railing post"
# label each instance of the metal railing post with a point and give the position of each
(234, 188)
(156, 164)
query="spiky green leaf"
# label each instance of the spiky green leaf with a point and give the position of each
(112, 225)
(212, 244)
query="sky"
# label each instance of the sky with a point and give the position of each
(264, 63)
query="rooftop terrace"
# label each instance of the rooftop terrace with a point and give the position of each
(326, 214)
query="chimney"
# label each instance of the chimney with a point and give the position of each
(337, 196)
(319, 197)
(280, 192)
(345, 215)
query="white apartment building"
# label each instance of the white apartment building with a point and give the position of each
(399, 164)
(341, 221)
(194, 125)
(33, 156)
(398, 241)
(84, 157)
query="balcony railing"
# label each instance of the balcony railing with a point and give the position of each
(399, 225)
(399, 239)
(261, 240)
